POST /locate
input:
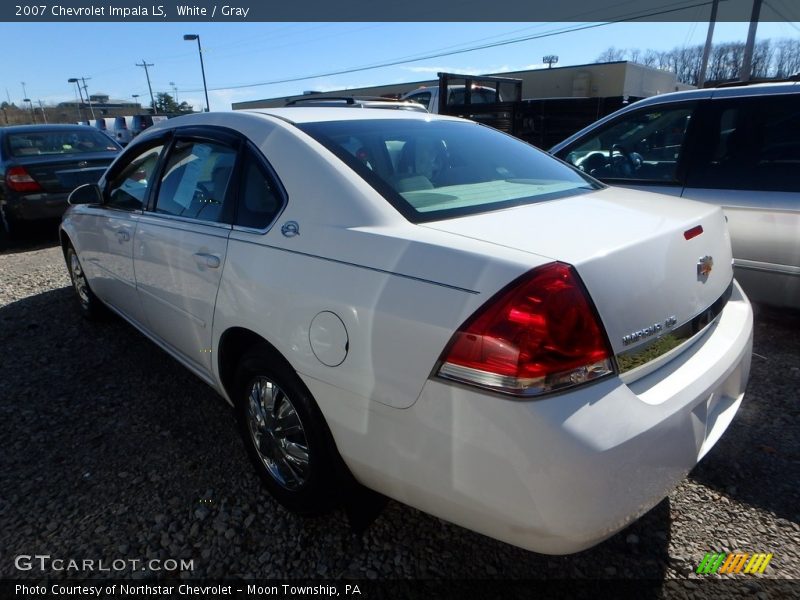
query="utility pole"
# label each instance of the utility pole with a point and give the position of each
(747, 61)
(41, 107)
(701, 76)
(145, 64)
(174, 90)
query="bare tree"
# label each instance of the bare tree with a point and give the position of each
(786, 58)
(779, 58)
(650, 58)
(611, 54)
(763, 54)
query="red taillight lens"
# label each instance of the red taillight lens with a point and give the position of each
(538, 335)
(19, 180)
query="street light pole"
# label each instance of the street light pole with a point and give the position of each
(80, 94)
(85, 89)
(190, 37)
(33, 114)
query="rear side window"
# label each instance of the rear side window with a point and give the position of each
(259, 197)
(645, 145)
(195, 181)
(431, 170)
(749, 144)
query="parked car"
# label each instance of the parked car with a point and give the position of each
(41, 164)
(445, 313)
(122, 134)
(428, 95)
(737, 147)
(140, 123)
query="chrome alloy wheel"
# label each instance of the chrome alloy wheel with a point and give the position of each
(78, 278)
(277, 433)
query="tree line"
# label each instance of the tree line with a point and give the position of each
(771, 59)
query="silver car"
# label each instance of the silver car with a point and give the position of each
(737, 146)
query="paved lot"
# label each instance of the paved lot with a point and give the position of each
(111, 450)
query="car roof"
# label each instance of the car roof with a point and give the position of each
(41, 128)
(727, 91)
(724, 91)
(314, 114)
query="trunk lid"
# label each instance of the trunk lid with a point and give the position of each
(65, 173)
(641, 256)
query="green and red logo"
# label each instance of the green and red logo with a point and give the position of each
(733, 563)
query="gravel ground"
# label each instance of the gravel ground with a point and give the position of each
(110, 449)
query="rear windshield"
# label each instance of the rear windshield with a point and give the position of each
(432, 170)
(75, 141)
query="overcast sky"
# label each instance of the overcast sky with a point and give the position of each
(45, 55)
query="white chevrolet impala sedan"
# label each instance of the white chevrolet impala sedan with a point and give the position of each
(429, 306)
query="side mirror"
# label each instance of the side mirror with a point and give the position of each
(88, 193)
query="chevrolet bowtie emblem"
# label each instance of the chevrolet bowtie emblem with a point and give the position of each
(704, 267)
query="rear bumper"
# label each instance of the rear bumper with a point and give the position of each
(559, 474)
(32, 207)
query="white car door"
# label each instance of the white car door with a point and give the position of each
(181, 242)
(110, 230)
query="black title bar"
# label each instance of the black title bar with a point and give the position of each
(408, 10)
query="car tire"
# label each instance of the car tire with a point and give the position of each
(285, 433)
(89, 304)
(8, 229)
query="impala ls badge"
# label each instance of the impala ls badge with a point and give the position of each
(704, 267)
(83, 163)
(650, 330)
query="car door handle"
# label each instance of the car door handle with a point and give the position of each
(209, 260)
(123, 236)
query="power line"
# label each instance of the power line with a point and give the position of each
(400, 61)
(781, 15)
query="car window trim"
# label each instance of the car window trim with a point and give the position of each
(187, 220)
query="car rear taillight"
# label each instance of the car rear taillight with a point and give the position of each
(538, 335)
(19, 180)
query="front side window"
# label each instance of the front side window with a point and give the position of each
(643, 146)
(430, 170)
(128, 189)
(195, 181)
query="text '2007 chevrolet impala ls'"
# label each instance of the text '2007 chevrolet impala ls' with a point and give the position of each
(442, 312)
